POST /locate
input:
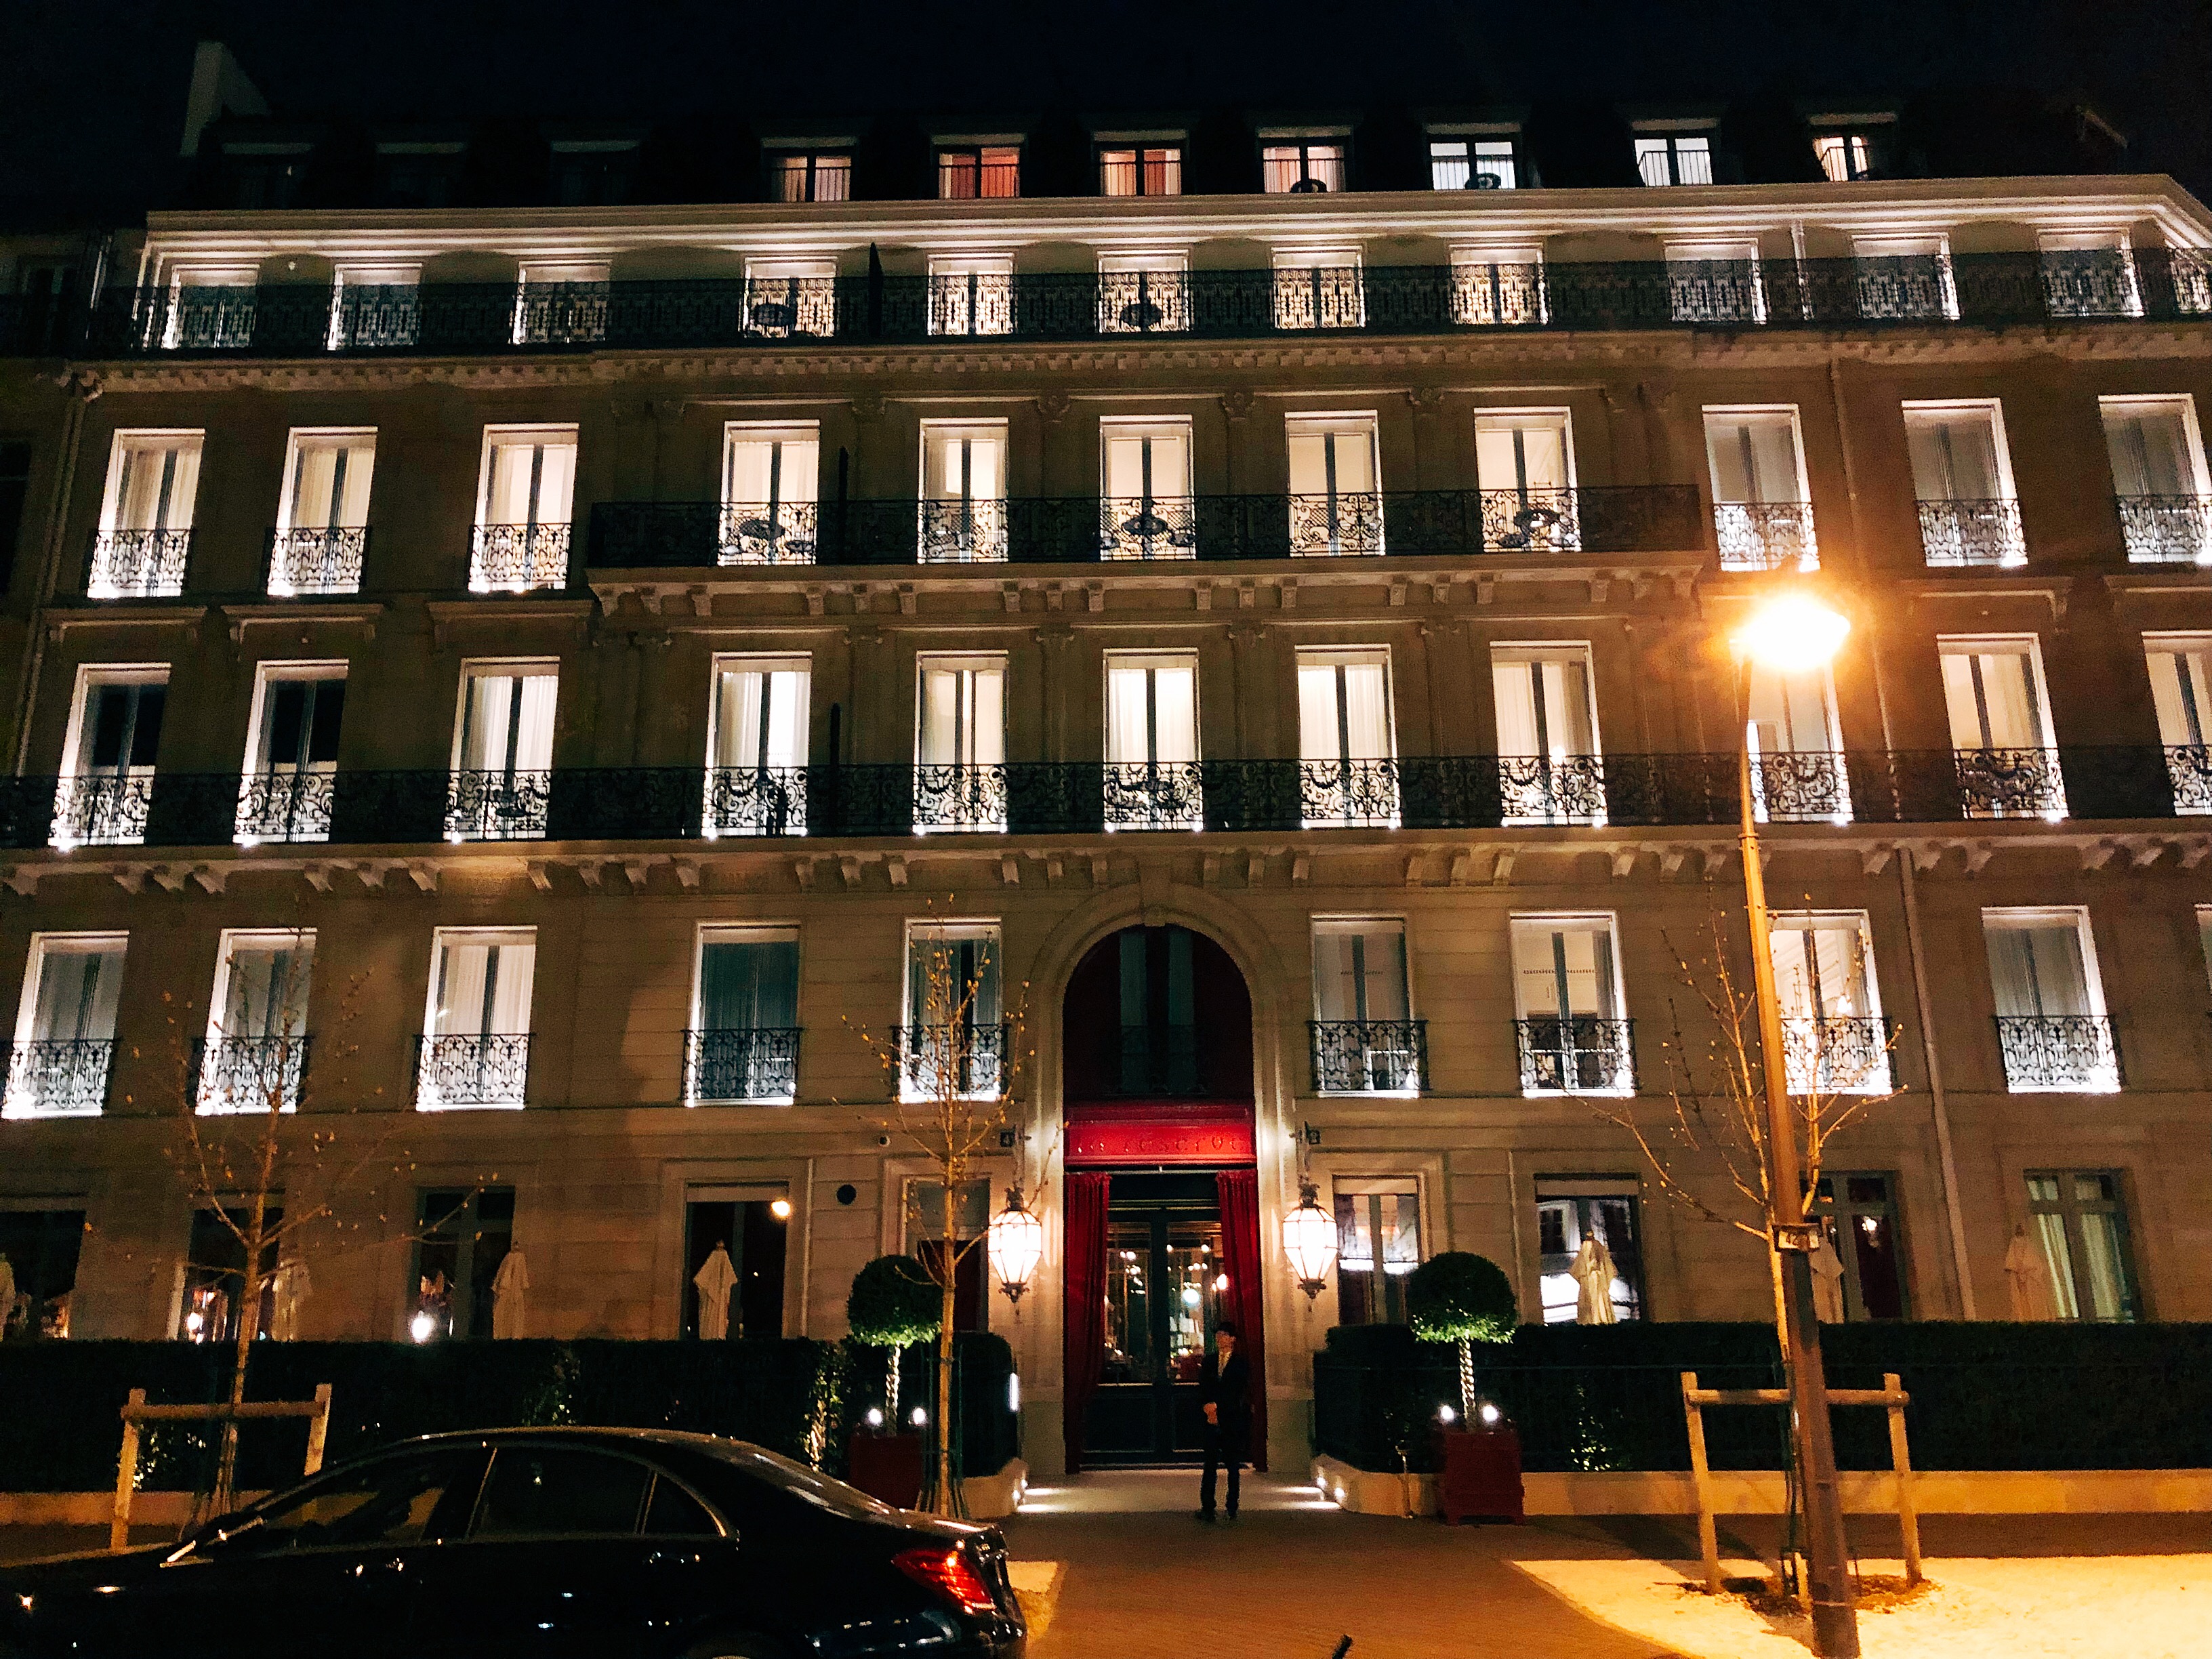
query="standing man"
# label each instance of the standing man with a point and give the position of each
(1224, 1389)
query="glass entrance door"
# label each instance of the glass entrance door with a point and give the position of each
(1164, 1299)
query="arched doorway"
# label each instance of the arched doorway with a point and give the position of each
(1163, 1227)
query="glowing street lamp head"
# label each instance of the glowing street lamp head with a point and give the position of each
(1792, 632)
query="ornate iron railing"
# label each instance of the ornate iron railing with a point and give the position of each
(1553, 789)
(2059, 1052)
(2010, 783)
(1147, 527)
(1347, 524)
(955, 797)
(1971, 533)
(486, 1069)
(376, 316)
(131, 564)
(1358, 792)
(248, 1074)
(1320, 297)
(971, 1059)
(972, 302)
(792, 308)
(498, 805)
(2190, 771)
(315, 561)
(1576, 1054)
(1370, 1056)
(561, 314)
(962, 533)
(1531, 520)
(1802, 786)
(755, 801)
(290, 805)
(58, 1077)
(1765, 535)
(1144, 302)
(1716, 293)
(2167, 529)
(769, 533)
(1836, 1054)
(516, 557)
(755, 1064)
(106, 809)
(1153, 795)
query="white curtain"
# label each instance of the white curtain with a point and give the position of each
(1820, 970)
(330, 482)
(1790, 714)
(1367, 711)
(761, 717)
(514, 966)
(1337, 460)
(963, 716)
(498, 723)
(265, 990)
(1319, 736)
(1564, 969)
(529, 479)
(966, 465)
(762, 468)
(79, 990)
(1156, 466)
(1521, 452)
(462, 971)
(1955, 456)
(1754, 458)
(153, 485)
(2150, 452)
(2036, 969)
(1543, 705)
(1359, 971)
(1990, 695)
(2181, 686)
(1151, 713)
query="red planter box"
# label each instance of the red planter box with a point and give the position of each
(1481, 1475)
(886, 1467)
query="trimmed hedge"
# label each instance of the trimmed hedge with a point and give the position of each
(1984, 1395)
(990, 1429)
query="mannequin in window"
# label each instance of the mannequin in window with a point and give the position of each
(715, 1280)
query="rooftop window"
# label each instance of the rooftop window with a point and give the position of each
(1302, 166)
(1675, 158)
(966, 172)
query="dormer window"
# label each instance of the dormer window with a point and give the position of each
(967, 173)
(265, 175)
(1302, 166)
(1675, 158)
(1850, 147)
(1136, 169)
(811, 175)
(1473, 163)
(593, 172)
(418, 175)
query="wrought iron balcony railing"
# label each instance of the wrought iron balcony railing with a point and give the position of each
(2011, 783)
(514, 557)
(1765, 535)
(755, 801)
(1553, 789)
(1356, 792)
(1347, 524)
(561, 314)
(2190, 771)
(1576, 1054)
(498, 805)
(970, 1061)
(751, 1064)
(769, 533)
(106, 809)
(1971, 533)
(1147, 527)
(792, 308)
(1144, 302)
(1802, 786)
(1531, 520)
(291, 805)
(470, 1069)
(959, 797)
(1836, 1054)
(136, 564)
(58, 1078)
(1370, 1056)
(2167, 529)
(2059, 1052)
(315, 561)
(1716, 293)
(248, 1074)
(962, 533)
(1153, 795)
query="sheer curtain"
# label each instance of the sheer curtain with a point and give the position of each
(529, 479)
(748, 984)
(760, 717)
(1955, 456)
(265, 990)
(1990, 695)
(2181, 687)
(1790, 714)
(1564, 970)
(1526, 454)
(1543, 706)
(1754, 458)
(963, 718)
(79, 990)
(1129, 716)
(2150, 452)
(2037, 970)
(330, 482)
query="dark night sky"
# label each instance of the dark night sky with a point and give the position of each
(92, 91)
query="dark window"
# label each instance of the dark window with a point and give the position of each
(594, 177)
(810, 175)
(675, 1513)
(39, 1248)
(265, 180)
(970, 1283)
(1859, 1209)
(15, 494)
(539, 1493)
(1378, 1245)
(462, 1239)
(392, 1501)
(418, 179)
(126, 725)
(751, 1238)
(214, 1274)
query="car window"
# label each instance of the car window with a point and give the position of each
(809, 1485)
(391, 1501)
(675, 1513)
(536, 1493)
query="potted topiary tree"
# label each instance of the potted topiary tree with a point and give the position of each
(1464, 1298)
(894, 1302)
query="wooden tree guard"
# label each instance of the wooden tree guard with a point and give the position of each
(1890, 1394)
(137, 1411)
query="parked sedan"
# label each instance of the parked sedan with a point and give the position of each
(545, 1544)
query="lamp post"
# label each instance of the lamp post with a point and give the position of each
(1792, 632)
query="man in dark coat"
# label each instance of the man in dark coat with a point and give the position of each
(1224, 1389)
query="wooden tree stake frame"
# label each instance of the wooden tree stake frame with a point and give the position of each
(137, 1411)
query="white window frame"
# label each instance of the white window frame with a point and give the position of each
(1954, 645)
(984, 540)
(347, 438)
(733, 545)
(98, 585)
(20, 1103)
(1153, 658)
(551, 273)
(1176, 148)
(75, 758)
(267, 673)
(1531, 923)
(1352, 656)
(210, 1101)
(975, 661)
(1367, 922)
(2020, 917)
(518, 827)
(1935, 247)
(1878, 1078)
(1934, 410)
(496, 437)
(2115, 241)
(990, 928)
(1743, 527)
(394, 273)
(1305, 140)
(792, 816)
(2199, 521)
(1566, 535)
(1526, 651)
(425, 1098)
(2186, 764)
(748, 932)
(1365, 423)
(1471, 140)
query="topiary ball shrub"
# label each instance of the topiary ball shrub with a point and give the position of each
(1462, 1298)
(894, 1302)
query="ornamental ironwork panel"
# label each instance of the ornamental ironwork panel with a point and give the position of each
(1320, 297)
(1362, 794)
(1837, 1053)
(792, 308)
(389, 806)
(1143, 302)
(497, 805)
(1716, 293)
(2010, 783)
(59, 1076)
(624, 803)
(2090, 282)
(1999, 287)
(2058, 1051)
(315, 561)
(1370, 1056)
(1450, 792)
(1147, 527)
(859, 801)
(377, 317)
(1765, 535)
(248, 1074)
(1576, 1053)
(2167, 529)
(1491, 295)
(137, 563)
(1801, 787)
(756, 1063)
(561, 314)
(1530, 521)
(107, 810)
(712, 311)
(962, 532)
(290, 805)
(1552, 789)
(1251, 794)
(1957, 533)
(1054, 797)
(1336, 527)
(969, 1059)
(515, 557)
(1153, 795)
(769, 533)
(959, 798)
(641, 535)
(971, 303)
(755, 801)
(2190, 773)
(470, 1069)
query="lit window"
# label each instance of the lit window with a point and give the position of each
(255, 1053)
(1365, 1040)
(743, 1041)
(65, 1025)
(960, 742)
(1590, 1256)
(145, 516)
(1347, 741)
(524, 495)
(1499, 286)
(322, 514)
(1761, 512)
(291, 753)
(1962, 480)
(1548, 764)
(502, 764)
(561, 304)
(1318, 288)
(475, 1043)
(963, 492)
(2181, 687)
(756, 746)
(1833, 1035)
(954, 1041)
(1675, 159)
(966, 172)
(1858, 1209)
(106, 784)
(1378, 1245)
(1471, 164)
(1999, 717)
(1144, 293)
(1573, 1034)
(771, 477)
(1844, 157)
(1336, 500)
(971, 294)
(2159, 476)
(1302, 168)
(2051, 1025)
(1140, 170)
(784, 298)
(2081, 1234)
(811, 175)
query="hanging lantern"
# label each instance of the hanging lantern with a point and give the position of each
(1310, 1241)
(1017, 1244)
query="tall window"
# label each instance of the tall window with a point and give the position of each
(215, 1276)
(1762, 509)
(735, 1245)
(502, 776)
(787, 299)
(971, 294)
(107, 763)
(1336, 500)
(1318, 288)
(1549, 762)
(1365, 1040)
(1798, 773)
(40, 1247)
(1999, 713)
(291, 752)
(964, 494)
(1675, 158)
(960, 742)
(2050, 1002)
(475, 1042)
(1904, 277)
(322, 518)
(255, 1052)
(1715, 282)
(462, 1240)
(1589, 1254)
(524, 500)
(756, 746)
(1851, 154)
(1146, 510)
(1837, 1041)
(1524, 466)
(1962, 476)
(2081, 1220)
(1152, 779)
(1471, 164)
(1857, 1208)
(771, 477)
(562, 303)
(1499, 284)
(811, 175)
(145, 516)
(967, 172)
(1347, 741)
(1573, 1036)
(923, 1240)
(1144, 293)
(1302, 166)
(743, 1042)
(2181, 686)
(955, 1034)
(1378, 1245)
(1140, 170)
(375, 307)
(2159, 476)
(65, 1025)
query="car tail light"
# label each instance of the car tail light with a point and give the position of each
(950, 1571)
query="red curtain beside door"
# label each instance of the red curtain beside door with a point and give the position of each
(1240, 1247)
(1082, 1317)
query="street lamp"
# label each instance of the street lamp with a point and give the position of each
(1017, 1244)
(1310, 1241)
(1791, 632)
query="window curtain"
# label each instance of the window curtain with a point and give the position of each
(1083, 1317)
(1521, 456)
(2181, 687)
(749, 985)
(78, 994)
(1790, 714)
(1239, 1192)
(266, 993)
(1954, 459)
(1543, 707)
(510, 1002)
(1754, 458)
(1991, 697)
(1565, 972)
(2037, 972)
(462, 971)
(2150, 455)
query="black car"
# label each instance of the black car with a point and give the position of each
(563, 1543)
